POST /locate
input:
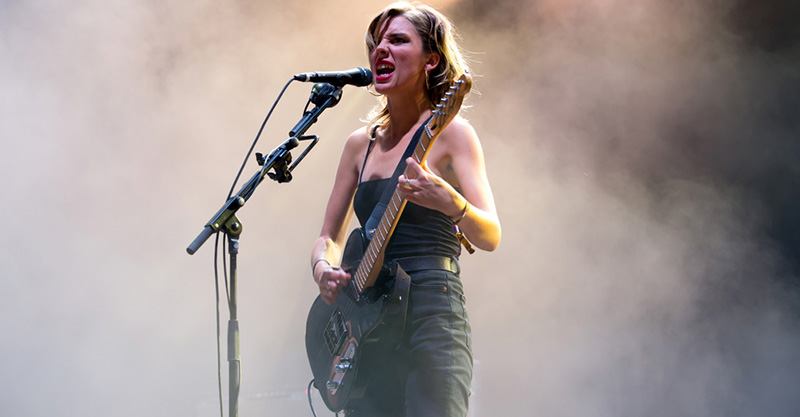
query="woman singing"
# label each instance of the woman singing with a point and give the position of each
(414, 59)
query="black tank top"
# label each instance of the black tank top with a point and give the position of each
(420, 231)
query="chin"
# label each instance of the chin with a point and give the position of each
(382, 88)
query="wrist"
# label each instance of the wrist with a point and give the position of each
(460, 216)
(314, 267)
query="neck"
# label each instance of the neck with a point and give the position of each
(405, 113)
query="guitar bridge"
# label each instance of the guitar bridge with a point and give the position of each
(344, 366)
(336, 333)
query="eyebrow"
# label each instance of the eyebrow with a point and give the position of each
(396, 34)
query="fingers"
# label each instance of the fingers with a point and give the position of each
(416, 173)
(404, 182)
(331, 283)
(416, 168)
(329, 292)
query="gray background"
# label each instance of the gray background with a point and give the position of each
(643, 157)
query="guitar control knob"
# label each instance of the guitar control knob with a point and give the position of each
(342, 368)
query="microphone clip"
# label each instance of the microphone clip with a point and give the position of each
(323, 96)
(321, 92)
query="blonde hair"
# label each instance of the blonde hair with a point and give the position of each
(438, 36)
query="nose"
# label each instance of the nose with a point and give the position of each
(380, 49)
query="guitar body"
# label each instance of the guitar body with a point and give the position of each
(338, 335)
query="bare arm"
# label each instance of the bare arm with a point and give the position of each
(327, 249)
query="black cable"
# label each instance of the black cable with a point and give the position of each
(225, 272)
(219, 334)
(310, 404)
(258, 135)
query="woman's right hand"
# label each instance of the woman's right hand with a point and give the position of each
(331, 280)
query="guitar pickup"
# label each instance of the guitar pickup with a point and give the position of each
(335, 332)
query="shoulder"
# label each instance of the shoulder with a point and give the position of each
(459, 136)
(458, 152)
(359, 137)
(459, 129)
(355, 148)
(356, 142)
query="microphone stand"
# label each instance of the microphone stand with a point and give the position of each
(225, 220)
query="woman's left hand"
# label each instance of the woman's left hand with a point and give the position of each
(424, 188)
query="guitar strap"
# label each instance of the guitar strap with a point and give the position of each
(380, 208)
(398, 302)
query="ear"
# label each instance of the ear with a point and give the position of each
(433, 61)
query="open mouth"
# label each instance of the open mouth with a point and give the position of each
(383, 70)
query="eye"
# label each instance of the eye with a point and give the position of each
(397, 39)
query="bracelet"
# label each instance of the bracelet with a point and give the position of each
(463, 212)
(314, 267)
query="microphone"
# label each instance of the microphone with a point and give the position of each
(359, 77)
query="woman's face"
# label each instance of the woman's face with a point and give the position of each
(398, 61)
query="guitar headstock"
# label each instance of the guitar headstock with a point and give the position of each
(450, 104)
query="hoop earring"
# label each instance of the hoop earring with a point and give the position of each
(427, 84)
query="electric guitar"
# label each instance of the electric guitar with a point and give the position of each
(338, 335)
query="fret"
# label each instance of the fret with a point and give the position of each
(385, 230)
(428, 131)
(374, 249)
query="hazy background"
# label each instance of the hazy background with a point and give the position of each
(644, 157)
